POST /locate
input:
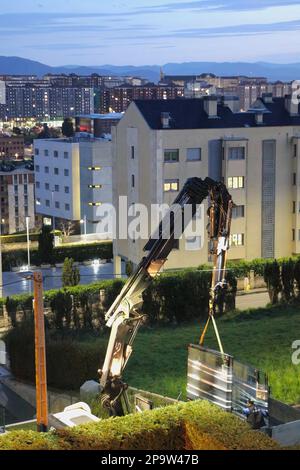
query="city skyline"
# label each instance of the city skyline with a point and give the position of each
(146, 31)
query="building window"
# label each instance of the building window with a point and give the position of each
(56, 171)
(237, 239)
(47, 186)
(57, 205)
(36, 151)
(293, 235)
(295, 150)
(294, 179)
(176, 244)
(67, 207)
(294, 207)
(66, 155)
(47, 203)
(94, 168)
(238, 212)
(46, 169)
(171, 156)
(37, 168)
(66, 172)
(16, 188)
(193, 155)
(299, 235)
(55, 153)
(132, 152)
(37, 184)
(95, 204)
(171, 186)
(132, 181)
(236, 182)
(236, 153)
(46, 153)
(56, 188)
(95, 186)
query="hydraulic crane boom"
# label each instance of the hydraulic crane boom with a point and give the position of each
(124, 317)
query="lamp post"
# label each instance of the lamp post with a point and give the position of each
(84, 223)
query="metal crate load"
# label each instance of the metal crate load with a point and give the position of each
(224, 381)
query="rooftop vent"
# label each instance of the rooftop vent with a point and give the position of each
(166, 120)
(210, 104)
(267, 97)
(232, 102)
(292, 104)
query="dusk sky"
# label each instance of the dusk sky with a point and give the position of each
(137, 32)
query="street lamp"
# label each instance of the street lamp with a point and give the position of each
(84, 223)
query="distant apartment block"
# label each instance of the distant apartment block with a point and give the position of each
(159, 144)
(118, 99)
(11, 147)
(17, 199)
(74, 176)
(42, 100)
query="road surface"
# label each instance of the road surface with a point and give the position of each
(253, 300)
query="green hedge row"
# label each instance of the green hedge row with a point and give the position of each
(69, 363)
(171, 298)
(22, 237)
(190, 426)
(79, 253)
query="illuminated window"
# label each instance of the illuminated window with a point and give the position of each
(95, 186)
(237, 239)
(95, 204)
(236, 182)
(171, 185)
(94, 168)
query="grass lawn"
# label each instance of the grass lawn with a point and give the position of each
(262, 338)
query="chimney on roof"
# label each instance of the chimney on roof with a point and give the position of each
(267, 97)
(259, 117)
(292, 104)
(232, 102)
(165, 120)
(210, 104)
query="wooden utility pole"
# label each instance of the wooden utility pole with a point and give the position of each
(40, 354)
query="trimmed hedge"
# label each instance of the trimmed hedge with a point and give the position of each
(79, 253)
(69, 363)
(190, 426)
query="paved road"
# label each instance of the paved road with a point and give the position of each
(255, 300)
(16, 409)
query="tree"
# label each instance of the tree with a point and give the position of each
(67, 228)
(46, 245)
(273, 280)
(68, 128)
(287, 276)
(45, 134)
(70, 273)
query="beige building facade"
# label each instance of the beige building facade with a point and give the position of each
(158, 146)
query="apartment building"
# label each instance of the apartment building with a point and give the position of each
(118, 99)
(11, 147)
(74, 177)
(159, 144)
(17, 199)
(43, 100)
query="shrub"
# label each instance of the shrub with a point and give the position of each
(69, 363)
(273, 280)
(46, 245)
(287, 276)
(70, 273)
(190, 426)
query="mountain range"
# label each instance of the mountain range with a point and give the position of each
(284, 72)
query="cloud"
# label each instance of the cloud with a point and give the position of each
(215, 5)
